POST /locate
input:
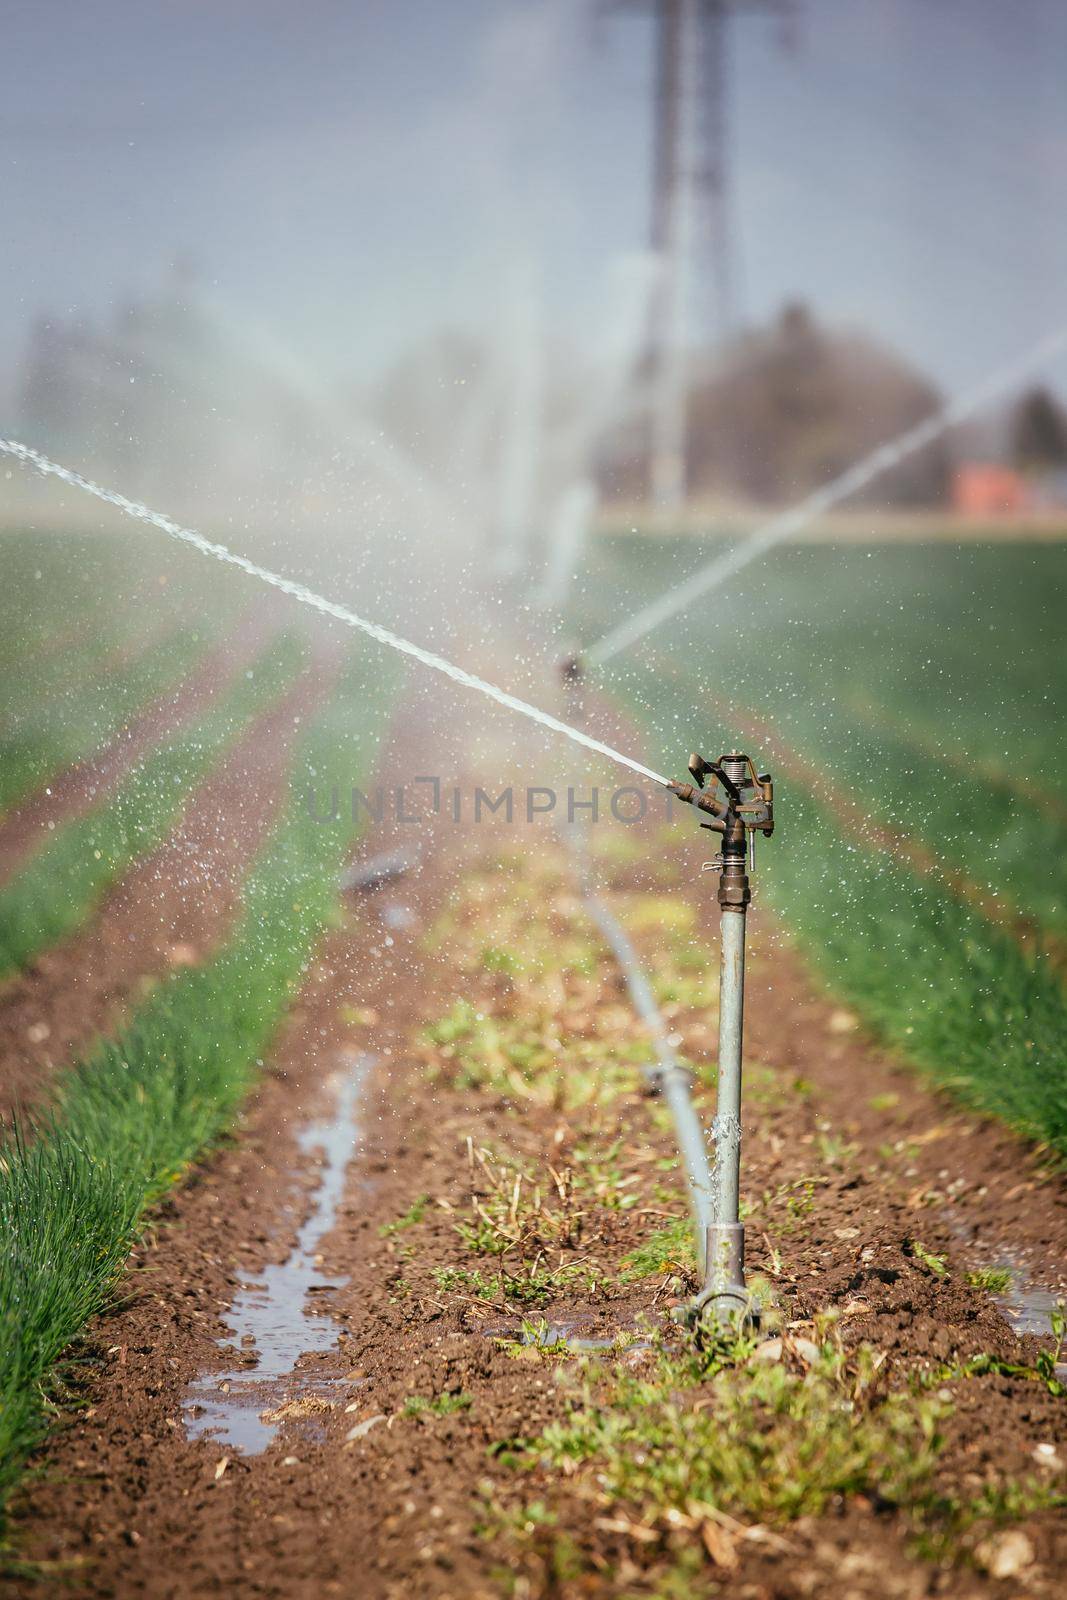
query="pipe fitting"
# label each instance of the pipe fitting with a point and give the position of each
(724, 1300)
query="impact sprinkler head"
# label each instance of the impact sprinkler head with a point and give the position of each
(740, 802)
(572, 668)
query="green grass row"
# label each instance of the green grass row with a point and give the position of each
(142, 1106)
(923, 679)
(57, 730)
(62, 883)
(105, 588)
(960, 639)
(966, 639)
(91, 629)
(954, 994)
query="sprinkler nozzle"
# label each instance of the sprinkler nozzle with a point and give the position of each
(749, 802)
(572, 668)
(696, 797)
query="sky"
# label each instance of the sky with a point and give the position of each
(350, 177)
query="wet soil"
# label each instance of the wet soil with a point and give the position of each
(368, 1492)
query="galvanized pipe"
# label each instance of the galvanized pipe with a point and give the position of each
(724, 1290)
(728, 1106)
(724, 1296)
(714, 1194)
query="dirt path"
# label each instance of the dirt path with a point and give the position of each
(409, 1475)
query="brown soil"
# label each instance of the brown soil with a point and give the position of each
(170, 909)
(125, 1506)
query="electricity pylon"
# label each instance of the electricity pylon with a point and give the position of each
(691, 223)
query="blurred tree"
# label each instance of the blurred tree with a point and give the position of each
(787, 408)
(1039, 432)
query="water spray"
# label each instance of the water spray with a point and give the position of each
(787, 524)
(745, 809)
(328, 608)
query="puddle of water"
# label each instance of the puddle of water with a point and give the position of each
(270, 1318)
(1030, 1311)
(1027, 1306)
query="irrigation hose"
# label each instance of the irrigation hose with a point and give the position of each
(669, 1077)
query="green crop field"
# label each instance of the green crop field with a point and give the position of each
(123, 1123)
(920, 689)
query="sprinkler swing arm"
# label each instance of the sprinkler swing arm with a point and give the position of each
(745, 809)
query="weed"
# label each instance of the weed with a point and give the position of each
(534, 1284)
(598, 1174)
(536, 1339)
(523, 1225)
(786, 1206)
(994, 1279)
(510, 1213)
(442, 1405)
(523, 1057)
(494, 959)
(953, 1530)
(668, 1250)
(1043, 1370)
(926, 1258)
(835, 1151)
(768, 1441)
(410, 1219)
(453, 1279)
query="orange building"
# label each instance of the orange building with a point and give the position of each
(983, 489)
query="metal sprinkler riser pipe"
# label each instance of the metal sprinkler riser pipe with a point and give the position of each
(747, 806)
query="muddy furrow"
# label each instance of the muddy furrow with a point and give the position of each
(171, 909)
(71, 792)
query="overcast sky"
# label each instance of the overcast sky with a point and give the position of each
(350, 174)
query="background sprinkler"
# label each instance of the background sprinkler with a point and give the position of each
(746, 808)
